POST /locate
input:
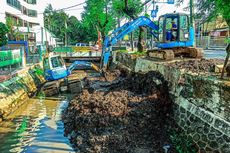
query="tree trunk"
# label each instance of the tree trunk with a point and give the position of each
(131, 41)
(103, 35)
(226, 60)
(228, 52)
(141, 41)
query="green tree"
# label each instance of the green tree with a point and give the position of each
(55, 22)
(48, 17)
(88, 32)
(131, 9)
(209, 9)
(78, 32)
(99, 15)
(73, 28)
(13, 34)
(3, 31)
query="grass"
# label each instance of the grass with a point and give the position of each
(123, 51)
(139, 53)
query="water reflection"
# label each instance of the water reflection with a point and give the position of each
(35, 127)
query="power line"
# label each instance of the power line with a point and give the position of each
(71, 6)
(62, 9)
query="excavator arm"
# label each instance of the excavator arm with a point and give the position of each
(82, 65)
(119, 33)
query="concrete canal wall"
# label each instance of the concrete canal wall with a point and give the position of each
(201, 102)
(19, 88)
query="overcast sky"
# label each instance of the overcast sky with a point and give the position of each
(76, 11)
(58, 4)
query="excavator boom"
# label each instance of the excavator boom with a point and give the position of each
(119, 33)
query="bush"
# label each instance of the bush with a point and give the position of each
(3, 31)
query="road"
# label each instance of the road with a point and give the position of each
(215, 53)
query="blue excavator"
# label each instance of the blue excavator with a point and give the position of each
(173, 33)
(56, 69)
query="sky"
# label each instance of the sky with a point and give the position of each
(58, 4)
(76, 11)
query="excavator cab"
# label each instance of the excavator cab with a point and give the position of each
(176, 38)
(174, 28)
(54, 68)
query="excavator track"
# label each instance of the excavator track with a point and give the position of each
(170, 54)
(161, 54)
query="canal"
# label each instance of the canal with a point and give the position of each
(36, 127)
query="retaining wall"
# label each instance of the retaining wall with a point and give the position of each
(201, 103)
(18, 89)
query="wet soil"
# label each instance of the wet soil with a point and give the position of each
(198, 66)
(123, 113)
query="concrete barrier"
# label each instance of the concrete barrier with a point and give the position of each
(15, 91)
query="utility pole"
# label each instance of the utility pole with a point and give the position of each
(47, 43)
(191, 12)
(226, 60)
(66, 33)
(146, 11)
(119, 25)
(42, 40)
(192, 20)
(153, 18)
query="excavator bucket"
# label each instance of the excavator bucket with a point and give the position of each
(95, 67)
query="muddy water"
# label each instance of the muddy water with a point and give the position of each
(36, 127)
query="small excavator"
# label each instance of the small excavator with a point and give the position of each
(55, 68)
(173, 33)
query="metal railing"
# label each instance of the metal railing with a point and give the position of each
(10, 61)
(76, 51)
(211, 42)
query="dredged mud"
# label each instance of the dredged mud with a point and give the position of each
(125, 113)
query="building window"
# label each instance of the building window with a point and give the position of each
(31, 1)
(32, 13)
(14, 3)
(25, 23)
(24, 10)
(20, 22)
(28, 12)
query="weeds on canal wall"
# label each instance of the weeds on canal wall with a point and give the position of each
(41, 95)
(38, 71)
(182, 143)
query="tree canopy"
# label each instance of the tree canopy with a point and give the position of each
(55, 22)
(128, 8)
(131, 9)
(3, 31)
(99, 15)
(210, 9)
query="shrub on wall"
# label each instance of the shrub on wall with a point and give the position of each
(3, 31)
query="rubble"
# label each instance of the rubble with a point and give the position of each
(127, 114)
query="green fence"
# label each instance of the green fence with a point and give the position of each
(10, 57)
(63, 49)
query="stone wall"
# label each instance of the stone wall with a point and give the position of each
(201, 103)
(18, 89)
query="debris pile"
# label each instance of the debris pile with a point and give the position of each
(128, 114)
(198, 66)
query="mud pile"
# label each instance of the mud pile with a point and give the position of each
(198, 66)
(128, 114)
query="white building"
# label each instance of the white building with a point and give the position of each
(27, 16)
